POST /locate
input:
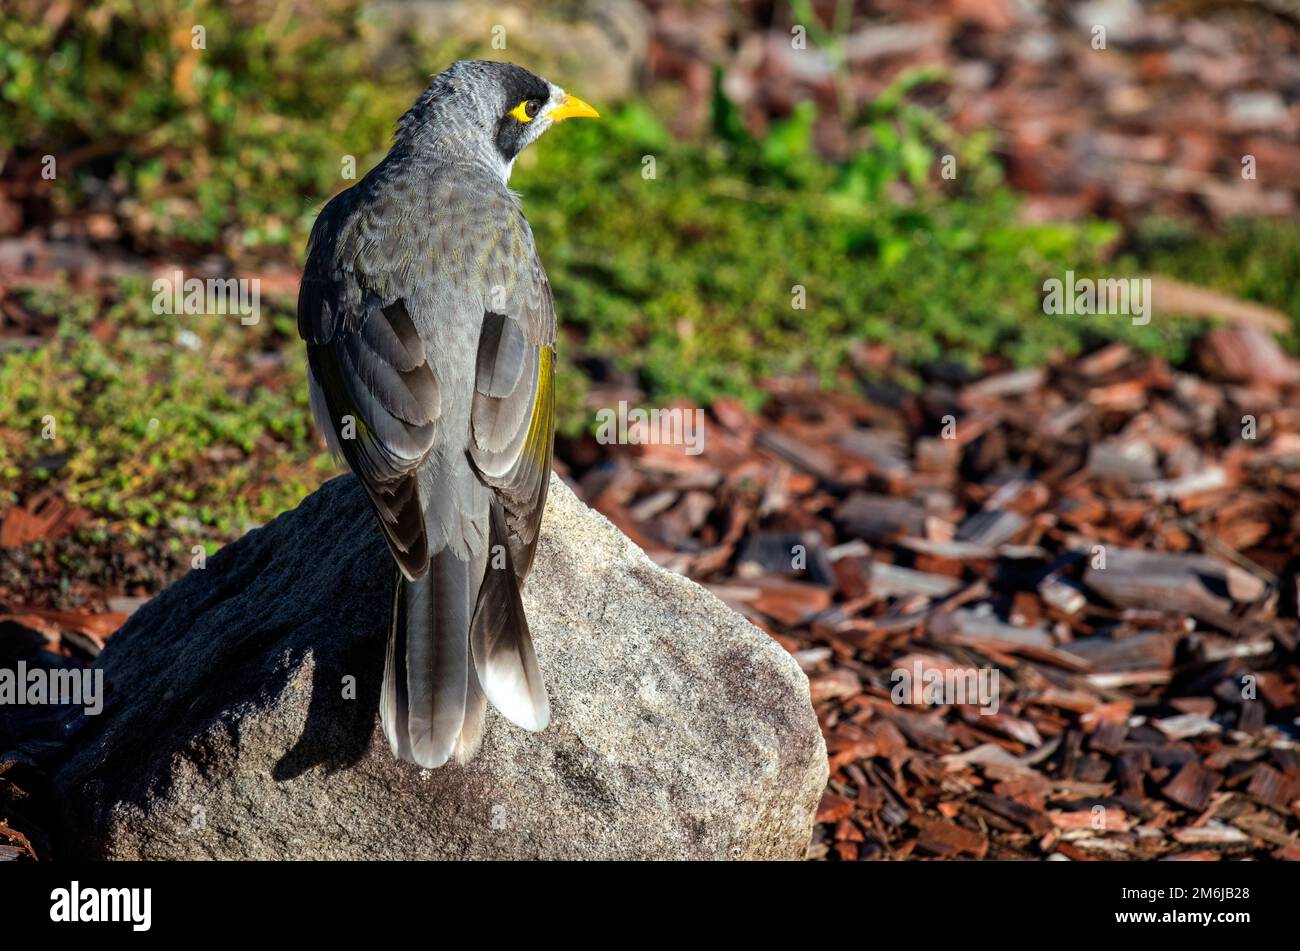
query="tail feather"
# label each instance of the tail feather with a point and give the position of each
(458, 639)
(500, 641)
(471, 734)
(393, 697)
(427, 672)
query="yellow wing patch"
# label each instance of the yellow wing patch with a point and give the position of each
(541, 428)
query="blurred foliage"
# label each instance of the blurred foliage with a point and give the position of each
(146, 432)
(1254, 259)
(679, 260)
(227, 147)
(700, 296)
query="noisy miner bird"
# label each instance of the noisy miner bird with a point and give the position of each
(430, 331)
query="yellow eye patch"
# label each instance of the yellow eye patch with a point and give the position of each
(520, 111)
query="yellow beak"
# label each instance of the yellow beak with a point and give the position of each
(573, 108)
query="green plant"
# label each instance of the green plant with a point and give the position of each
(196, 427)
(700, 296)
(686, 262)
(214, 126)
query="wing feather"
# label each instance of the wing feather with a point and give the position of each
(373, 390)
(513, 416)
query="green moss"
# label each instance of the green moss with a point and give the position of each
(161, 424)
(693, 278)
(1256, 260)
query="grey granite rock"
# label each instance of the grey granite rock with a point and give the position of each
(241, 718)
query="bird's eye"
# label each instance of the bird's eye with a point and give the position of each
(527, 110)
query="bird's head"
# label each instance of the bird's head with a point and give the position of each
(487, 112)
